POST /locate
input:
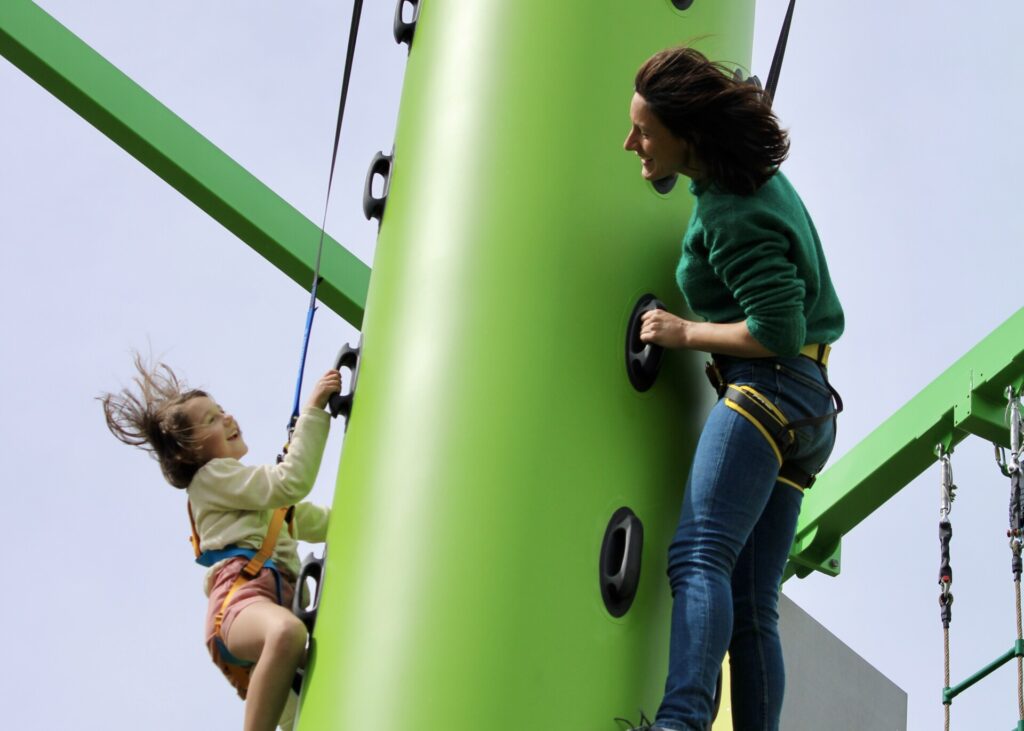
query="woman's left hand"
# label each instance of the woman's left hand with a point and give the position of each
(663, 328)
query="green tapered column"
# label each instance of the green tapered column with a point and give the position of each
(495, 432)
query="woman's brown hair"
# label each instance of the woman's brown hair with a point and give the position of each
(153, 419)
(729, 122)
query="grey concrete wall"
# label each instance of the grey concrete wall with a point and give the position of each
(828, 685)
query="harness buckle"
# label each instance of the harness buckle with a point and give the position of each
(715, 377)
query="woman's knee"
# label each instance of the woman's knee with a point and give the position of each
(708, 561)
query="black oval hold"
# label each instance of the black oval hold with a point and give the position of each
(619, 570)
(682, 4)
(406, 29)
(665, 185)
(312, 568)
(340, 404)
(379, 165)
(643, 360)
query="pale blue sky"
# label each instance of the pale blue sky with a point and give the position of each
(906, 149)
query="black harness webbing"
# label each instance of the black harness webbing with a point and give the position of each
(771, 422)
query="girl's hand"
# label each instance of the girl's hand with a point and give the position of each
(663, 328)
(329, 383)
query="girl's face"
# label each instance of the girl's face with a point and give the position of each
(661, 152)
(216, 433)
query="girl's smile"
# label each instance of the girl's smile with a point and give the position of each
(216, 433)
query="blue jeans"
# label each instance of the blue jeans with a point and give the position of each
(730, 549)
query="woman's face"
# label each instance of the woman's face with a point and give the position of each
(661, 152)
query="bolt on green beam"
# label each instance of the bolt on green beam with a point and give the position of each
(963, 400)
(105, 97)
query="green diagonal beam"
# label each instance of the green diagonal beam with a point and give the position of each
(126, 113)
(968, 398)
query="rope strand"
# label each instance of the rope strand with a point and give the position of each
(945, 645)
(1020, 660)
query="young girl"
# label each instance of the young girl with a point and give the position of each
(251, 633)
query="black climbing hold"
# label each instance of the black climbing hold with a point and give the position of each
(643, 360)
(620, 561)
(380, 165)
(312, 569)
(406, 29)
(340, 404)
(666, 184)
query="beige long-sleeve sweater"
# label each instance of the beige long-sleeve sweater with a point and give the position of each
(232, 503)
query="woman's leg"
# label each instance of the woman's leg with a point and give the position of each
(731, 480)
(275, 639)
(755, 653)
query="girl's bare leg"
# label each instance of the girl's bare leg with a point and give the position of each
(275, 639)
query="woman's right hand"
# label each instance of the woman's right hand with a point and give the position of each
(329, 383)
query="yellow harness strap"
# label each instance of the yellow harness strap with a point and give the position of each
(769, 420)
(767, 408)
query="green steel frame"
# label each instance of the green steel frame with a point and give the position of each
(966, 399)
(105, 97)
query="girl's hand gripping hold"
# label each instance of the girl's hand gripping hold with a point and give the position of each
(329, 383)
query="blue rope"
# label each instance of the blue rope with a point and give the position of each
(357, 8)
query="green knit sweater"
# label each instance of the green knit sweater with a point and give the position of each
(758, 258)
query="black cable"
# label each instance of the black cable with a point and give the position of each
(780, 52)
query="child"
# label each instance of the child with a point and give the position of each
(251, 633)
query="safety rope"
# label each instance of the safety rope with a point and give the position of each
(357, 8)
(780, 53)
(1020, 669)
(947, 495)
(945, 645)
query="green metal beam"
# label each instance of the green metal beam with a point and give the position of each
(121, 109)
(968, 398)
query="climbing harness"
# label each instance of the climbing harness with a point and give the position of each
(260, 559)
(769, 420)
(357, 8)
(780, 53)
(948, 494)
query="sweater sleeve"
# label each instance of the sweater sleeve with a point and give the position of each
(227, 484)
(749, 255)
(311, 522)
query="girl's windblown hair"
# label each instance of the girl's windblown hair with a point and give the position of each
(152, 419)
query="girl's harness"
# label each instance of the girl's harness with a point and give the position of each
(258, 560)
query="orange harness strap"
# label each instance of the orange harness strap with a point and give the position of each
(238, 674)
(251, 569)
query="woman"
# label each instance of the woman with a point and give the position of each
(752, 266)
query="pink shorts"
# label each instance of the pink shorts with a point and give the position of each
(262, 588)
